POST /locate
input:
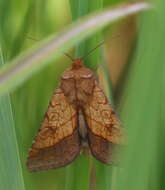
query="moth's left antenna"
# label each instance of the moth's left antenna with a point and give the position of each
(71, 58)
(34, 39)
(31, 38)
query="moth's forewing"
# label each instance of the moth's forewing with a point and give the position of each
(101, 149)
(59, 155)
(57, 142)
(104, 129)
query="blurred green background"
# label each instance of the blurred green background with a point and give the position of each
(131, 68)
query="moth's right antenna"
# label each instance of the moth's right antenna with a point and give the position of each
(93, 49)
(96, 47)
(71, 58)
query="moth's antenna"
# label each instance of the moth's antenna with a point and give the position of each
(97, 47)
(93, 49)
(31, 38)
(69, 56)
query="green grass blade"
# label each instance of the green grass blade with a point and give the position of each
(76, 171)
(142, 108)
(32, 61)
(104, 173)
(10, 165)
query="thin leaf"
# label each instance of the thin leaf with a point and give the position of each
(10, 165)
(74, 176)
(142, 108)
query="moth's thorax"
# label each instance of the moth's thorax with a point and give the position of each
(77, 83)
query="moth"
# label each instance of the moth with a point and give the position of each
(78, 116)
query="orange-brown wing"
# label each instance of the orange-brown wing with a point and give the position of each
(57, 142)
(104, 129)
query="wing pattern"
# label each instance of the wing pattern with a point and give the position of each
(104, 129)
(57, 142)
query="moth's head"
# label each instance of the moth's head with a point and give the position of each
(77, 63)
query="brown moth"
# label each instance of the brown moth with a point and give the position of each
(78, 114)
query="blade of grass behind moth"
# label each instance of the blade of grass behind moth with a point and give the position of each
(73, 9)
(111, 172)
(83, 9)
(93, 59)
(105, 174)
(11, 170)
(81, 50)
(33, 60)
(142, 108)
(78, 171)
